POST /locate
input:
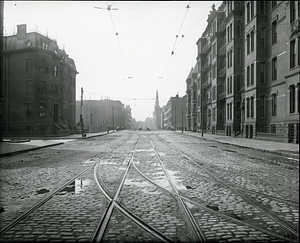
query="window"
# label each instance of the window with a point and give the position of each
(42, 87)
(274, 32)
(230, 110)
(248, 107)
(55, 71)
(262, 38)
(252, 107)
(55, 90)
(262, 106)
(214, 71)
(262, 72)
(28, 110)
(214, 49)
(230, 56)
(214, 27)
(230, 31)
(292, 99)
(227, 85)
(248, 12)
(42, 68)
(214, 93)
(248, 75)
(213, 114)
(42, 110)
(252, 40)
(274, 68)
(28, 65)
(228, 34)
(293, 11)
(274, 105)
(292, 53)
(252, 9)
(252, 73)
(248, 44)
(230, 85)
(28, 87)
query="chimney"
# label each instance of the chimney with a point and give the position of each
(21, 33)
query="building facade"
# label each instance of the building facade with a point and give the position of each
(98, 115)
(174, 113)
(39, 86)
(249, 70)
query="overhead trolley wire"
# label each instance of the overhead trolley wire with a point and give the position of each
(109, 8)
(172, 52)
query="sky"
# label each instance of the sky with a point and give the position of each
(126, 53)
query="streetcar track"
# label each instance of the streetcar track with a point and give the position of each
(50, 196)
(207, 208)
(291, 230)
(186, 211)
(240, 188)
(101, 228)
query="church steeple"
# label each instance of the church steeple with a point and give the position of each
(156, 100)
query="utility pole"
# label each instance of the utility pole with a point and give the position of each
(81, 117)
(113, 122)
(181, 118)
(175, 118)
(91, 119)
(202, 118)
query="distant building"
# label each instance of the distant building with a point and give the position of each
(39, 86)
(248, 71)
(157, 113)
(174, 113)
(99, 114)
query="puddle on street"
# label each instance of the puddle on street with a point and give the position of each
(75, 187)
(42, 191)
(89, 161)
(144, 150)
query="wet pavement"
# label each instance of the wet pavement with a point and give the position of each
(187, 189)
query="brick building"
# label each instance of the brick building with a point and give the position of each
(174, 113)
(99, 114)
(249, 70)
(39, 86)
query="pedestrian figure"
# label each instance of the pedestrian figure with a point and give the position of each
(107, 129)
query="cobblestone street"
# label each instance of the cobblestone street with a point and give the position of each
(149, 186)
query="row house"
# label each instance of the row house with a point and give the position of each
(248, 70)
(99, 114)
(173, 114)
(39, 86)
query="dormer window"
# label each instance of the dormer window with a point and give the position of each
(45, 45)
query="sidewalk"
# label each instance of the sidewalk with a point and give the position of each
(11, 146)
(269, 146)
